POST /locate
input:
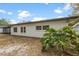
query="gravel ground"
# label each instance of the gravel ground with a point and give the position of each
(22, 46)
(19, 46)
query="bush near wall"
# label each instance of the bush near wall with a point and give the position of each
(62, 39)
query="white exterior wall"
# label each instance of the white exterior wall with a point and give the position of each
(76, 28)
(1, 30)
(31, 28)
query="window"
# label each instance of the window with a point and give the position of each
(38, 27)
(23, 29)
(45, 27)
(15, 29)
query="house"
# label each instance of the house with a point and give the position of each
(37, 28)
(76, 26)
(5, 29)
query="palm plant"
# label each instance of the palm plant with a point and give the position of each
(47, 38)
(60, 39)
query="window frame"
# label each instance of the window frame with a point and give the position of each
(45, 27)
(38, 27)
(15, 29)
(23, 29)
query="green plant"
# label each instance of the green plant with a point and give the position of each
(59, 39)
(47, 38)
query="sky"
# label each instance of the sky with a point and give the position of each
(27, 12)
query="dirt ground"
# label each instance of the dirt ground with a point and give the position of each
(21, 46)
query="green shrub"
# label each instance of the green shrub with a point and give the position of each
(60, 39)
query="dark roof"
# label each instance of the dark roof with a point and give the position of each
(49, 20)
(4, 24)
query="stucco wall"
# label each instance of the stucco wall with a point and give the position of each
(31, 28)
(1, 30)
(76, 28)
